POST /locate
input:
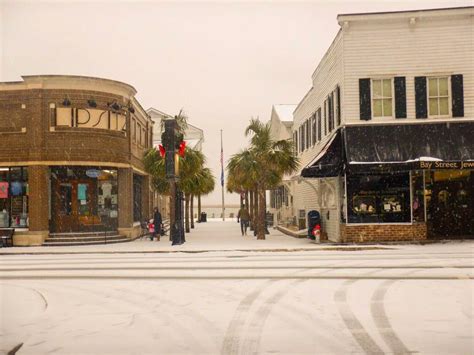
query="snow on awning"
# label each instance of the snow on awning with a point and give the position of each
(395, 147)
(409, 146)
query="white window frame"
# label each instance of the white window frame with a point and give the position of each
(382, 98)
(438, 97)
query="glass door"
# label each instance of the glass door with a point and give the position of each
(63, 208)
(74, 206)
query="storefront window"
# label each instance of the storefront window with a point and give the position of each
(378, 198)
(108, 196)
(14, 197)
(84, 199)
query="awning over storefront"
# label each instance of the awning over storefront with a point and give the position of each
(329, 161)
(409, 146)
(405, 147)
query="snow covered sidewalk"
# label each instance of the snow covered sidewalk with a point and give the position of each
(217, 236)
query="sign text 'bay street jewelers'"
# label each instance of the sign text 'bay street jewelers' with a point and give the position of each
(446, 165)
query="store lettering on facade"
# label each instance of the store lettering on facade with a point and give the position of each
(446, 165)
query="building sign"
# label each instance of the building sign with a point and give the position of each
(446, 165)
(93, 173)
(467, 165)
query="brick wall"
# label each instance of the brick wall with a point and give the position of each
(26, 134)
(383, 232)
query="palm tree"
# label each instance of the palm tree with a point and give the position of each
(205, 185)
(155, 166)
(274, 159)
(242, 178)
(190, 166)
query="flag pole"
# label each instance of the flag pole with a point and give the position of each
(222, 178)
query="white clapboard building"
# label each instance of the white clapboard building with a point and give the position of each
(385, 135)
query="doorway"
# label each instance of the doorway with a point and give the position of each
(74, 206)
(451, 204)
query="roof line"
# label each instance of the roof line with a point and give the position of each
(405, 11)
(66, 76)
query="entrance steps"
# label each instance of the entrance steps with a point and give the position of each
(69, 239)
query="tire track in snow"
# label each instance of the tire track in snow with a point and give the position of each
(377, 309)
(231, 342)
(359, 333)
(251, 344)
(43, 297)
(138, 310)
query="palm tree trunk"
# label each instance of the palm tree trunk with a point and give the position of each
(261, 213)
(199, 208)
(247, 199)
(192, 211)
(256, 208)
(265, 209)
(186, 212)
(251, 209)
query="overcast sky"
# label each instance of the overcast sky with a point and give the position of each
(222, 62)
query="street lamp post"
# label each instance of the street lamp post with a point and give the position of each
(170, 140)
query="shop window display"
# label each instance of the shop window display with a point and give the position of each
(84, 199)
(378, 198)
(14, 197)
(108, 197)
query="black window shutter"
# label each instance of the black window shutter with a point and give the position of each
(325, 120)
(400, 97)
(331, 111)
(301, 139)
(319, 125)
(338, 98)
(457, 92)
(420, 97)
(364, 99)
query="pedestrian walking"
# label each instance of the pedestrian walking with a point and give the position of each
(244, 217)
(157, 221)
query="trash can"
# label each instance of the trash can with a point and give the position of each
(314, 225)
(203, 217)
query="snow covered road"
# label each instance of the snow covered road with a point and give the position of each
(390, 301)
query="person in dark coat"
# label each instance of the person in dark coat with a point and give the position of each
(157, 221)
(244, 217)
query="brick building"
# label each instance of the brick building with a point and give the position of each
(384, 135)
(71, 157)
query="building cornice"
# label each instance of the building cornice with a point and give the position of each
(394, 15)
(71, 82)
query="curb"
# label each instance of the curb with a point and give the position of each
(291, 233)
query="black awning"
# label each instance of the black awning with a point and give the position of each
(403, 147)
(396, 147)
(329, 162)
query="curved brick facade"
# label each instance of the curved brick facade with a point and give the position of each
(71, 121)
